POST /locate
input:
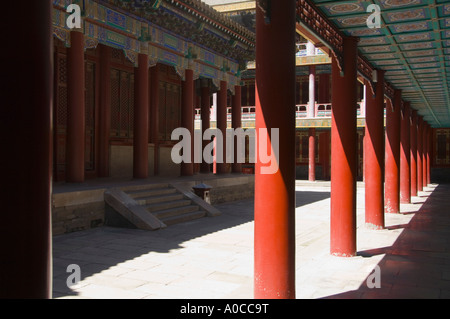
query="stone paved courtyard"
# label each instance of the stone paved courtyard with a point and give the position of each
(212, 258)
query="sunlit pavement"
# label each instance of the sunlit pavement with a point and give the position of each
(213, 257)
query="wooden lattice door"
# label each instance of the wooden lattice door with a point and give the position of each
(60, 116)
(90, 117)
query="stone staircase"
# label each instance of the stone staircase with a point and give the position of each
(165, 203)
(153, 206)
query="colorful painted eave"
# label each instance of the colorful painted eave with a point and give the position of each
(134, 34)
(412, 46)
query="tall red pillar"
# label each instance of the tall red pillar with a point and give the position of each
(222, 125)
(312, 91)
(419, 154)
(374, 155)
(236, 122)
(75, 109)
(105, 111)
(343, 153)
(430, 145)
(140, 132)
(424, 154)
(26, 129)
(187, 118)
(413, 156)
(206, 117)
(405, 155)
(274, 233)
(312, 155)
(392, 169)
(154, 115)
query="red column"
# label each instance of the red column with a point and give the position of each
(205, 115)
(154, 114)
(374, 155)
(413, 156)
(405, 153)
(187, 118)
(236, 122)
(312, 154)
(75, 109)
(430, 145)
(274, 233)
(392, 170)
(424, 154)
(343, 154)
(222, 124)
(419, 154)
(312, 91)
(105, 111)
(326, 152)
(140, 132)
(26, 129)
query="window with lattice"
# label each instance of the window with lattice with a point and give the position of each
(122, 104)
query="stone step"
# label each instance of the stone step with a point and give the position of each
(137, 188)
(183, 218)
(168, 204)
(175, 211)
(158, 199)
(142, 197)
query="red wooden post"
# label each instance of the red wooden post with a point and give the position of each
(392, 170)
(75, 109)
(140, 133)
(419, 154)
(343, 154)
(312, 91)
(154, 111)
(236, 122)
(405, 155)
(430, 146)
(206, 116)
(187, 118)
(26, 130)
(374, 155)
(424, 154)
(105, 111)
(413, 156)
(222, 124)
(274, 232)
(312, 155)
